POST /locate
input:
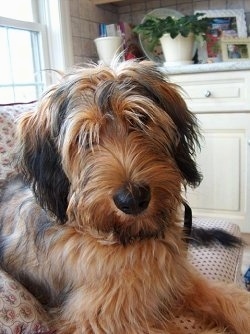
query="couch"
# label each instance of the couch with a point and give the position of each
(20, 312)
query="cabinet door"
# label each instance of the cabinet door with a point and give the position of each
(224, 160)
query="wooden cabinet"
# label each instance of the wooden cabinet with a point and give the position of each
(222, 106)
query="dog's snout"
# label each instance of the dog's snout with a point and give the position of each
(132, 199)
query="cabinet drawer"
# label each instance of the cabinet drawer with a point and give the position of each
(215, 92)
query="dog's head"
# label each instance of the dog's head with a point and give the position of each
(110, 148)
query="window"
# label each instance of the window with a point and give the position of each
(21, 77)
(32, 41)
(19, 10)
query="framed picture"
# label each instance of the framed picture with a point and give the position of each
(223, 23)
(235, 49)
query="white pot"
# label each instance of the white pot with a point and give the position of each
(108, 48)
(178, 50)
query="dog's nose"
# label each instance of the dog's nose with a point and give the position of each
(132, 199)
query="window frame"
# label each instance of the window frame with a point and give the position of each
(55, 15)
(53, 23)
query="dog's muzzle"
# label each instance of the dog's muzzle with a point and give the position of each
(132, 199)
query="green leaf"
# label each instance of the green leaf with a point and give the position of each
(153, 28)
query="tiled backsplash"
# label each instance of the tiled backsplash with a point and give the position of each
(85, 17)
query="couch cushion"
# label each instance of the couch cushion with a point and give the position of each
(217, 262)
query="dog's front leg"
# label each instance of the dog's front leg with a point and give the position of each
(224, 305)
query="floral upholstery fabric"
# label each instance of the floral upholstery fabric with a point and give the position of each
(19, 311)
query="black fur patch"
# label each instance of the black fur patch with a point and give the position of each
(206, 237)
(43, 171)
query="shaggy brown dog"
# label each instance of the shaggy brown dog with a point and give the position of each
(98, 238)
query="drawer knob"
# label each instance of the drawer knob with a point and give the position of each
(208, 93)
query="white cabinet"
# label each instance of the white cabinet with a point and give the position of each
(224, 116)
(224, 160)
(216, 91)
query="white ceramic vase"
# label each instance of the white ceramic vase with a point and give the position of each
(108, 48)
(178, 50)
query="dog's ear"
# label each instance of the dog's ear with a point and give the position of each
(39, 162)
(186, 122)
(167, 96)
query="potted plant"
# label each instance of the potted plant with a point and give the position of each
(174, 32)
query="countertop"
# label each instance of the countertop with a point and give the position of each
(240, 65)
